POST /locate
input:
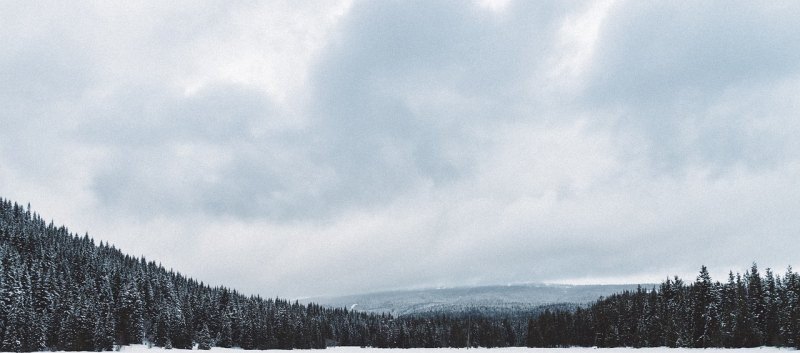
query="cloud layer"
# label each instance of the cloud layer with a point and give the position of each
(337, 147)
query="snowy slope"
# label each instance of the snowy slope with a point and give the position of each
(513, 298)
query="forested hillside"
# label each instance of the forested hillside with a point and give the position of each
(749, 310)
(61, 291)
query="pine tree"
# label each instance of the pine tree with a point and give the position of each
(225, 339)
(103, 338)
(15, 308)
(756, 307)
(131, 314)
(728, 313)
(789, 317)
(771, 303)
(744, 321)
(702, 316)
(204, 338)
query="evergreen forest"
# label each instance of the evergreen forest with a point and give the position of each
(749, 310)
(62, 291)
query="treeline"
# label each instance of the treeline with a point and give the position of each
(61, 291)
(749, 310)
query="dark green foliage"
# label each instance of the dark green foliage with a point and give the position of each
(705, 319)
(60, 291)
(130, 314)
(204, 338)
(744, 312)
(104, 332)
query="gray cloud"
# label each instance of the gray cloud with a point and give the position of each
(399, 103)
(651, 52)
(668, 69)
(213, 153)
(334, 148)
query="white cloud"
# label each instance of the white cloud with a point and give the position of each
(576, 43)
(301, 149)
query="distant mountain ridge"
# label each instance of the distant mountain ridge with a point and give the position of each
(482, 299)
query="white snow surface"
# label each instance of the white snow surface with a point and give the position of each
(145, 349)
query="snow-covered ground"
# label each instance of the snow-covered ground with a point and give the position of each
(144, 349)
(562, 350)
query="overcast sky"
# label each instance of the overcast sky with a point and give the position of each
(298, 149)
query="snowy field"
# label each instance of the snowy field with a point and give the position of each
(144, 349)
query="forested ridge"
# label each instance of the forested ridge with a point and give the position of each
(61, 291)
(749, 310)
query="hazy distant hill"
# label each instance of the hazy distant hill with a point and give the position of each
(486, 299)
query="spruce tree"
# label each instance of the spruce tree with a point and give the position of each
(131, 314)
(204, 338)
(103, 338)
(771, 304)
(728, 313)
(701, 312)
(756, 307)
